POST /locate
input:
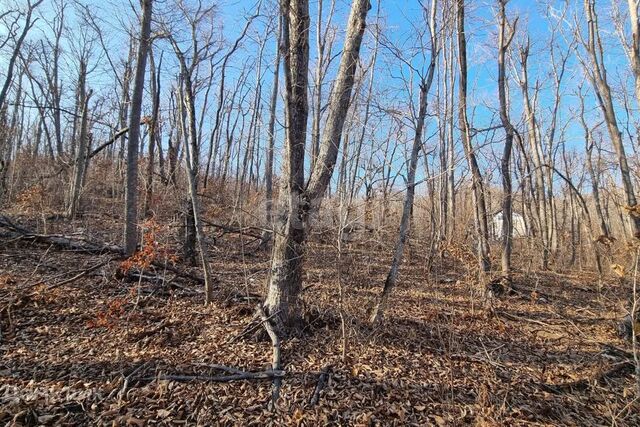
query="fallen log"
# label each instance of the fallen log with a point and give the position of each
(234, 230)
(59, 240)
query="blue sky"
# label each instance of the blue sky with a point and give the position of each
(400, 19)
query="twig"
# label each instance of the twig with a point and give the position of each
(275, 361)
(80, 275)
(125, 384)
(322, 381)
(525, 319)
(219, 378)
(250, 328)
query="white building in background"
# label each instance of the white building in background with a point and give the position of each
(495, 225)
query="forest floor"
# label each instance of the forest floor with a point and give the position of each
(93, 350)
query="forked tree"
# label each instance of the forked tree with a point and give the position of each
(297, 199)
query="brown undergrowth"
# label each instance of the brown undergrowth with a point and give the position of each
(89, 352)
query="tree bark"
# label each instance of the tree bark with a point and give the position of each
(268, 175)
(81, 159)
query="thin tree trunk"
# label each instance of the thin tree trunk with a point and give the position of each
(595, 187)
(505, 36)
(131, 190)
(377, 315)
(477, 186)
(596, 73)
(537, 157)
(154, 77)
(268, 174)
(81, 159)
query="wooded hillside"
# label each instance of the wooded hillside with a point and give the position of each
(288, 212)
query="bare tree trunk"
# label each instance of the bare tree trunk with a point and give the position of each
(154, 77)
(268, 174)
(125, 99)
(595, 187)
(286, 262)
(282, 299)
(477, 187)
(596, 73)
(173, 143)
(187, 110)
(81, 159)
(131, 190)
(540, 194)
(192, 156)
(506, 32)
(451, 169)
(377, 314)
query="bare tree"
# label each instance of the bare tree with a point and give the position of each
(477, 186)
(19, 36)
(271, 134)
(426, 79)
(324, 41)
(298, 200)
(15, 38)
(536, 151)
(50, 62)
(596, 73)
(589, 141)
(131, 193)
(199, 50)
(154, 79)
(223, 75)
(506, 31)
